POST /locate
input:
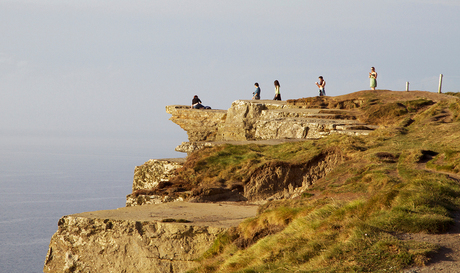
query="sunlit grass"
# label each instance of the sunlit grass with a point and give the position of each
(398, 179)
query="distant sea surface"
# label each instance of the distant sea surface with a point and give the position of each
(43, 180)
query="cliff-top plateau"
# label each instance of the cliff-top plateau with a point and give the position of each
(364, 182)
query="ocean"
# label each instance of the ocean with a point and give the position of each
(44, 178)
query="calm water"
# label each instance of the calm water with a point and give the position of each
(41, 181)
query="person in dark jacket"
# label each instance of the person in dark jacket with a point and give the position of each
(196, 103)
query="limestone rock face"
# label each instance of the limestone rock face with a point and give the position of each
(146, 199)
(103, 245)
(136, 239)
(249, 120)
(154, 171)
(148, 176)
(200, 124)
(189, 147)
(164, 235)
(241, 117)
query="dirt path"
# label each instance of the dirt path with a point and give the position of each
(447, 259)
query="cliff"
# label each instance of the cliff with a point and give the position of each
(169, 221)
(249, 120)
(258, 122)
(151, 238)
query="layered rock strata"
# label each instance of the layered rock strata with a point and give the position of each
(248, 120)
(155, 171)
(152, 238)
(148, 176)
(200, 124)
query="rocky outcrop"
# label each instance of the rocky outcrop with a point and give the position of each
(200, 124)
(189, 147)
(150, 199)
(155, 238)
(103, 245)
(241, 118)
(154, 171)
(249, 120)
(164, 235)
(148, 176)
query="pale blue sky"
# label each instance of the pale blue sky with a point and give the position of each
(108, 68)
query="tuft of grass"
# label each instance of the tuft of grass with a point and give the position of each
(448, 161)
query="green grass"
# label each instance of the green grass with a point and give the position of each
(230, 163)
(349, 220)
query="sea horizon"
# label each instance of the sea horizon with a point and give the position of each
(44, 178)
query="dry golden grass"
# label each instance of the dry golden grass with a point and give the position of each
(392, 181)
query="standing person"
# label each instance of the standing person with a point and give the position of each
(256, 93)
(322, 86)
(277, 91)
(373, 77)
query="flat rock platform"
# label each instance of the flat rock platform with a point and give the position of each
(223, 215)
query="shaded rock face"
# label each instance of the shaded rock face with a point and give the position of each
(97, 245)
(282, 180)
(217, 195)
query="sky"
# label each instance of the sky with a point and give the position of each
(100, 72)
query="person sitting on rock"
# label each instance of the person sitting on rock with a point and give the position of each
(197, 104)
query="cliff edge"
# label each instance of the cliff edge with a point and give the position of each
(255, 120)
(166, 237)
(172, 217)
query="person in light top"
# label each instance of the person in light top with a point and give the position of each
(322, 86)
(373, 78)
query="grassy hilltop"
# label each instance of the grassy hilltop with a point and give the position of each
(402, 178)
